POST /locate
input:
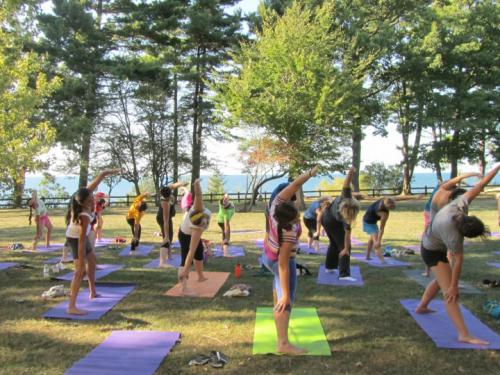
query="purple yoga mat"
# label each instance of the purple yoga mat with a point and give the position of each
(375, 262)
(496, 252)
(101, 271)
(259, 243)
(174, 262)
(356, 242)
(53, 247)
(495, 234)
(333, 278)
(5, 265)
(442, 331)
(415, 247)
(104, 242)
(304, 249)
(234, 251)
(141, 251)
(127, 353)
(494, 264)
(111, 294)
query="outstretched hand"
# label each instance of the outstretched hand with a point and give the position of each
(313, 171)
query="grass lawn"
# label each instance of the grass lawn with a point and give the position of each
(368, 330)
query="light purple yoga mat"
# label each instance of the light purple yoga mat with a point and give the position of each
(495, 234)
(111, 294)
(174, 262)
(101, 271)
(356, 242)
(494, 264)
(234, 251)
(375, 262)
(141, 251)
(496, 252)
(304, 249)
(53, 247)
(57, 260)
(246, 231)
(415, 247)
(333, 278)
(5, 265)
(259, 243)
(127, 353)
(442, 331)
(105, 242)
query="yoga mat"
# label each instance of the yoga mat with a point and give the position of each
(259, 243)
(5, 265)
(45, 249)
(247, 231)
(304, 249)
(141, 251)
(415, 247)
(234, 251)
(127, 353)
(442, 331)
(101, 271)
(375, 262)
(356, 242)
(495, 234)
(493, 264)
(305, 331)
(333, 278)
(496, 252)
(105, 242)
(205, 289)
(416, 275)
(174, 262)
(111, 294)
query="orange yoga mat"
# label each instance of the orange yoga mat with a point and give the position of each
(204, 289)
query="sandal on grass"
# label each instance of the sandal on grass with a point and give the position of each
(200, 360)
(218, 359)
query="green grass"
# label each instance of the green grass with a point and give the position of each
(367, 329)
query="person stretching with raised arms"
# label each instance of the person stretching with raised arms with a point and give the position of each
(41, 219)
(134, 215)
(195, 222)
(280, 249)
(446, 232)
(224, 216)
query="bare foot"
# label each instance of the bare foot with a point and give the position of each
(75, 311)
(472, 340)
(290, 349)
(424, 310)
(164, 265)
(202, 278)
(425, 274)
(94, 295)
(189, 292)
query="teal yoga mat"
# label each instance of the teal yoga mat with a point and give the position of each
(305, 331)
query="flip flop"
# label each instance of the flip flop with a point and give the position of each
(200, 360)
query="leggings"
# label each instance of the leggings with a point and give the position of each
(185, 241)
(225, 239)
(170, 228)
(335, 231)
(131, 222)
(311, 225)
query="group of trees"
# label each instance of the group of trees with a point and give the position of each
(142, 84)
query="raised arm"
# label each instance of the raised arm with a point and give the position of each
(407, 197)
(198, 196)
(348, 178)
(92, 185)
(476, 190)
(450, 184)
(177, 185)
(288, 192)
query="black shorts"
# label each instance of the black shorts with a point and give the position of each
(73, 243)
(185, 241)
(432, 257)
(311, 225)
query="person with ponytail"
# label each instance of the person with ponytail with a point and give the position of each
(446, 232)
(100, 204)
(280, 248)
(337, 220)
(224, 216)
(41, 219)
(195, 222)
(164, 216)
(79, 218)
(134, 215)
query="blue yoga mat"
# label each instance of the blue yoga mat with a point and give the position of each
(5, 265)
(375, 262)
(333, 278)
(174, 262)
(111, 294)
(101, 271)
(442, 331)
(141, 251)
(127, 353)
(494, 264)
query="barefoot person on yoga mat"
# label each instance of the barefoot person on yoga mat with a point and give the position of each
(280, 248)
(80, 217)
(195, 222)
(224, 216)
(164, 216)
(337, 219)
(446, 232)
(312, 223)
(41, 219)
(134, 216)
(100, 204)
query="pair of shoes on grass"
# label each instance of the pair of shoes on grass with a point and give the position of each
(215, 359)
(491, 283)
(493, 308)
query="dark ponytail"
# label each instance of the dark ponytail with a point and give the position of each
(77, 203)
(284, 214)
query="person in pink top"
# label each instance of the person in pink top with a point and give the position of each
(280, 249)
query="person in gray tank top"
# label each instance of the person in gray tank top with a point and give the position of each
(446, 232)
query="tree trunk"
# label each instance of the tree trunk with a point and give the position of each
(175, 161)
(436, 155)
(482, 153)
(196, 143)
(454, 154)
(19, 183)
(411, 157)
(257, 187)
(84, 158)
(356, 136)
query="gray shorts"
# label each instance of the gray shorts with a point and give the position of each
(73, 243)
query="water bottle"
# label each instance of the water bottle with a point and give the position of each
(237, 270)
(55, 268)
(388, 250)
(46, 272)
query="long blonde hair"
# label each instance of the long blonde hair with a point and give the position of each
(349, 209)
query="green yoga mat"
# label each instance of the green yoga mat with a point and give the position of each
(305, 331)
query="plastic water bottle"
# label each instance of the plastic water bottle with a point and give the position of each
(237, 270)
(46, 272)
(388, 250)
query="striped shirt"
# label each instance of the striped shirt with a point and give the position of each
(271, 246)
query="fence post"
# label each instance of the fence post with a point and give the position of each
(373, 192)
(319, 193)
(425, 190)
(128, 200)
(238, 197)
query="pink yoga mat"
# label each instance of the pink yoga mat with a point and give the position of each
(442, 331)
(127, 353)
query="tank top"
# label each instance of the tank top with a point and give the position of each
(159, 213)
(371, 216)
(73, 230)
